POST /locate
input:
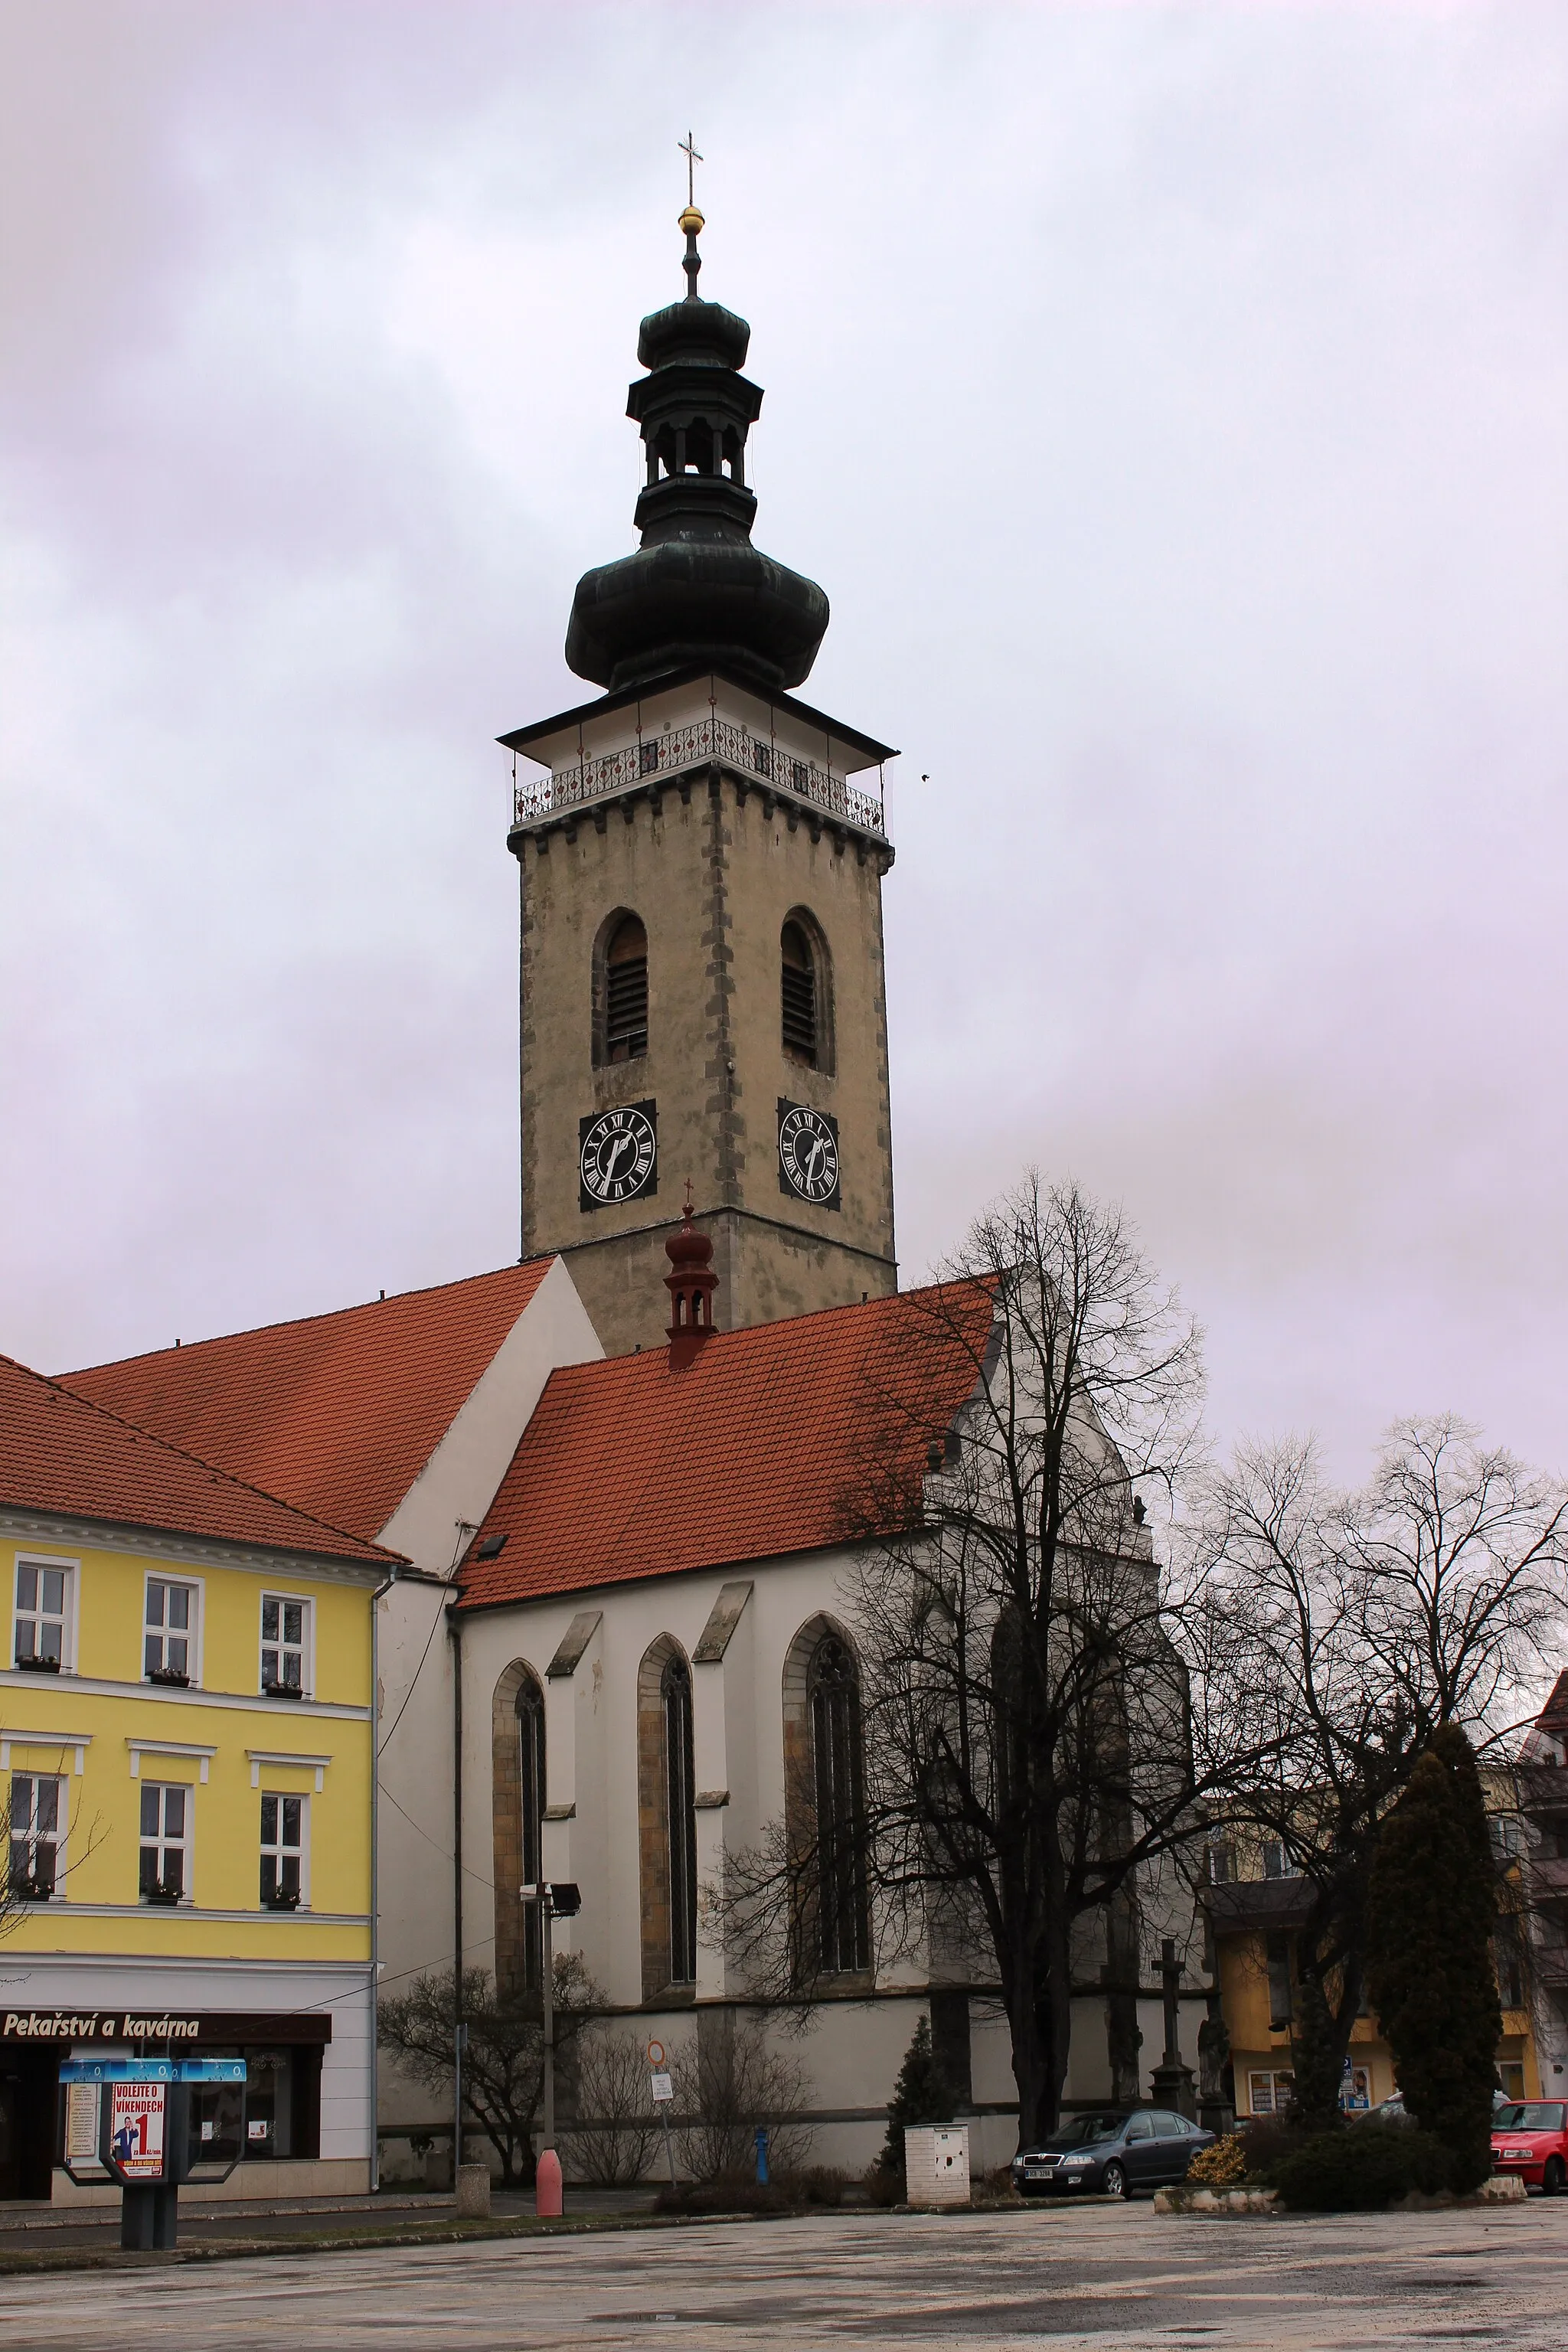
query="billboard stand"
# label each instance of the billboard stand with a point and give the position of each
(160, 2122)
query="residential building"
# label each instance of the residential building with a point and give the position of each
(1543, 1794)
(188, 1752)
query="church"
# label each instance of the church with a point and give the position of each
(619, 1648)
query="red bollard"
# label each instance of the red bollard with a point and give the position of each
(547, 2185)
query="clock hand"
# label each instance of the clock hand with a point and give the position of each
(621, 1143)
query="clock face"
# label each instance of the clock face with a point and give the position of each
(808, 1154)
(617, 1155)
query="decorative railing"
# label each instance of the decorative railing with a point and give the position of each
(658, 757)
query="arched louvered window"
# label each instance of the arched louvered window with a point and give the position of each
(833, 1694)
(680, 1819)
(798, 977)
(623, 992)
(530, 1810)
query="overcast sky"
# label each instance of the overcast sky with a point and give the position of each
(1173, 403)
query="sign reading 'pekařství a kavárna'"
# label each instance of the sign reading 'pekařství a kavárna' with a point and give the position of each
(96, 2025)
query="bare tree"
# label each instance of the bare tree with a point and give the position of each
(1363, 1623)
(617, 2129)
(727, 2083)
(1026, 1694)
(503, 2061)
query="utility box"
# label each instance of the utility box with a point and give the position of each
(936, 2164)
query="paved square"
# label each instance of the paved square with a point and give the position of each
(986, 2282)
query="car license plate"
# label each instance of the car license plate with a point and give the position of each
(1037, 2172)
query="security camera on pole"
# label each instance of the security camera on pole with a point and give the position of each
(559, 1900)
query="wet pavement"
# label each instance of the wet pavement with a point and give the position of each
(1113, 2277)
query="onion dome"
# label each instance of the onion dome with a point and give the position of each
(691, 1283)
(697, 592)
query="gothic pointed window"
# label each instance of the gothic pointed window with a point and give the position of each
(530, 1812)
(798, 968)
(833, 1693)
(680, 1819)
(622, 992)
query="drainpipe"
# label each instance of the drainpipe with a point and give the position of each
(376, 1598)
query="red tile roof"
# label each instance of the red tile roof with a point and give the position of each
(59, 1454)
(629, 1470)
(340, 1412)
(1553, 1716)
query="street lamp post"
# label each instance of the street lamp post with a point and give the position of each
(559, 1899)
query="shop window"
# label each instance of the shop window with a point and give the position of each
(1271, 2093)
(165, 1842)
(285, 1822)
(43, 1616)
(268, 2103)
(169, 1633)
(285, 1646)
(37, 1836)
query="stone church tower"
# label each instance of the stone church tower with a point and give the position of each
(702, 978)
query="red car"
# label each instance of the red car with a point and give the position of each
(1531, 2138)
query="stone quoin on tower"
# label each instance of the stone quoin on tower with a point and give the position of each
(700, 870)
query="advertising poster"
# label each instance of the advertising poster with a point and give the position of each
(81, 2122)
(136, 2128)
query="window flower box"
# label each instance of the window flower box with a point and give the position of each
(280, 1899)
(166, 1891)
(32, 1664)
(175, 1676)
(271, 1689)
(30, 1890)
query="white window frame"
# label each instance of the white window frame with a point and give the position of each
(278, 1850)
(306, 1601)
(184, 1846)
(70, 1570)
(62, 1800)
(196, 1587)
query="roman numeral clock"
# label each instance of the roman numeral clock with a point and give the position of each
(617, 1155)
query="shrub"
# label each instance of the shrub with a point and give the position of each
(882, 2185)
(1223, 2166)
(727, 2082)
(723, 2196)
(922, 2094)
(1358, 2169)
(821, 2184)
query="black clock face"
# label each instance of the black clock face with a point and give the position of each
(617, 1155)
(808, 1154)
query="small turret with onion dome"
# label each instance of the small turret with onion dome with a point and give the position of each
(691, 1283)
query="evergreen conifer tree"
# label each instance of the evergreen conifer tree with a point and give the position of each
(1432, 1913)
(922, 2094)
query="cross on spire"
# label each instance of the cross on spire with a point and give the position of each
(692, 161)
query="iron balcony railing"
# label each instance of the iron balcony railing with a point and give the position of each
(691, 747)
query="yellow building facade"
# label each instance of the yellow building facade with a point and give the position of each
(1254, 1922)
(187, 1758)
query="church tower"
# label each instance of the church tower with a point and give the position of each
(702, 975)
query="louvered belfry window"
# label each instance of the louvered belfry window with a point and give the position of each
(799, 981)
(626, 993)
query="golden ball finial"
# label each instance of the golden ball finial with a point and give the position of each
(690, 220)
